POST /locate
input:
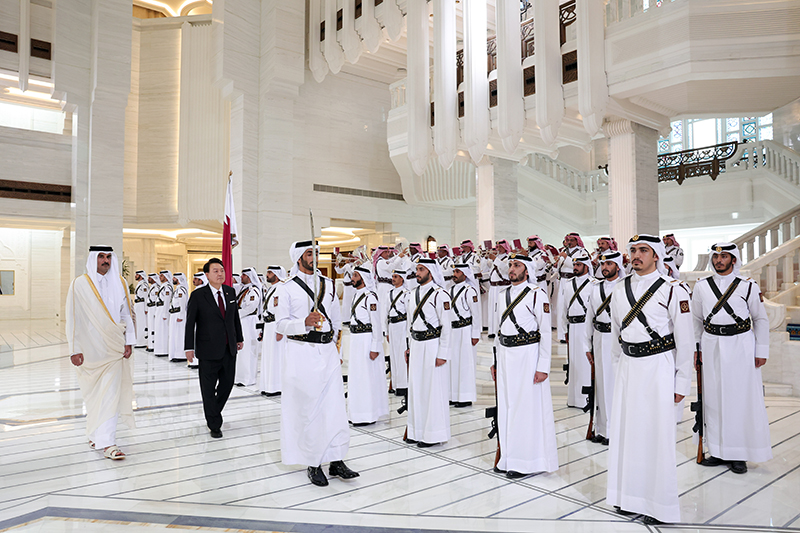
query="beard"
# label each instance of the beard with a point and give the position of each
(307, 266)
(422, 279)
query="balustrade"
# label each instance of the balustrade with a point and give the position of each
(706, 161)
(770, 235)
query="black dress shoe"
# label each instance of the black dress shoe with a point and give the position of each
(498, 471)
(270, 394)
(491, 335)
(216, 433)
(178, 361)
(453, 404)
(597, 439)
(604, 442)
(410, 441)
(619, 510)
(400, 392)
(317, 476)
(463, 404)
(421, 444)
(339, 469)
(511, 474)
(650, 521)
(738, 467)
(391, 391)
(362, 424)
(239, 384)
(712, 461)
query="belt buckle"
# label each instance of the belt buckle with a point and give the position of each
(723, 330)
(633, 349)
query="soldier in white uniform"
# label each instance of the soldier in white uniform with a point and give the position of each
(346, 271)
(673, 249)
(249, 299)
(154, 284)
(383, 265)
(732, 330)
(464, 339)
(651, 322)
(273, 344)
(574, 295)
(177, 317)
(604, 244)
(410, 265)
(445, 259)
(236, 279)
(599, 341)
(162, 313)
(198, 280)
(366, 375)
(140, 308)
(397, 332)
(498, 281)
(314, 426)
(430, 325)
(525, 421)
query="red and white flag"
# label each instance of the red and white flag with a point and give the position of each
(229, 235)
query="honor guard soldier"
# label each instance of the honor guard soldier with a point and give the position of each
(140, 308)
(162, 313)
(498, 280)
(397, 333)
(445, 260)
(177, 317)
(249, 298)
(273, 344)
(574, 295)
(464, 338)
(652, 323)
(732, 329)
(673, 249)
(154, 284)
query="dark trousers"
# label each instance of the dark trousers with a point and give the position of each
(216, 382)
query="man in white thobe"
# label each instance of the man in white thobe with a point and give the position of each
(732, 329)
(598, 340)
(314, 427)
(445, 259)
(525, 421)
(154, 285)
(273, 344)
(498, 280)
(140, 308)
(397, 333)
(466, 306)
(652, 347)
(177, 317)
(345, 269)
(574, 295)
(410, 264)
(673, 249)
(198, 280)
(249, 298)
(165, 291)
(101, 334)
(430, 326)
(366, 370)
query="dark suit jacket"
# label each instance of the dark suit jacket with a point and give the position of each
(206, 329)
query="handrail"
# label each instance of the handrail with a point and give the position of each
(775, 157)
(582, 182)
(779, 261)
(783, 218)
(705, 161)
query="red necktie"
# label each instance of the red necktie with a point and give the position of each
(221, 303)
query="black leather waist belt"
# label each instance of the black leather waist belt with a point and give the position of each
(500, 283)
(643, 349)
(360, 328)
(602, 327)
(151, 304)
(727, 330)
(398, 318)
(522, 339)
(580, 319)
(426, 335)
(464, 322)
(159, 304)
(138, 300)
(348, 283)
(174, 309)
(269, 317)
(314, 337)
(385, 280)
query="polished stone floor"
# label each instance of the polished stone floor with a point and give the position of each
(177, 477)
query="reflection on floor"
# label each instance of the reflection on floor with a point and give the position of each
(176, 475)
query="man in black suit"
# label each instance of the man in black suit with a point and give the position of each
(212, 317)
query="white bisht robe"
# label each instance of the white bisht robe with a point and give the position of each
(642, 471)
(366, 378)
(735, 418)
(139, 307)
(398, 338)
(600, 343)
(247, 358)
(314, 426)
(525, 422)
(162, 317)
(428, 384)
(177, 323)
(99, 327)
(463, 355)
(580, 371)
(272, 349)
(152, 314)
(498, 274)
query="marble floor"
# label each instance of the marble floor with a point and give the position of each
(176, 477)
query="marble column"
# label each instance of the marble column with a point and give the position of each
(633, 179)
(498, 215)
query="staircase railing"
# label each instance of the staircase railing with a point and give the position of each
(769, 235)
(583, 182)
(778, 159)
(775, 270)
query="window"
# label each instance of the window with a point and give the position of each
(697, 133)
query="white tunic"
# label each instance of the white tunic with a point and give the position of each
(580, 371)
(398, 335)
(140, 311)
(600, 343)
(486, 272)
(366, 378)
(428, 384)
(162, 318)
(152, 312)
(383, 270)
(347, 292)
(272, 349)
(247, 358)
(497, 273)
(446, 263)
(526, 425)
(314, 426)
(177, 324)
(463, 355)
(735, 419)
(642, 471)
(676, 253)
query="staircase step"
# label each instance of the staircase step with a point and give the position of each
(777, 389)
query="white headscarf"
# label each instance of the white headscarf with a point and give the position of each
(402, 274)
(730, 248)
(141, 273)
(653, 242)
(366, 275)
(530, 264)
(615, 257)
(155, 278)
(202, 277)
(182, 281)
(296, 251)
(167, 274)
(467, 270)
(253, 275)
(585, 259)
(435, 269)
(115, 290)
(672, 270)
(279, 271)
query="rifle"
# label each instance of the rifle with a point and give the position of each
(590, 405)
(491, 412)
(697, 407)
(404, 401)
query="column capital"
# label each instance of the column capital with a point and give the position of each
(614, 128)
